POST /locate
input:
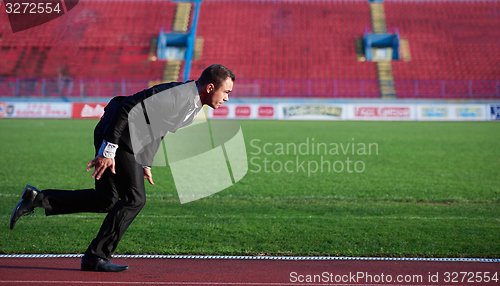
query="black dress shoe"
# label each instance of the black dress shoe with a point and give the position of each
(25, 206)
(101, 265)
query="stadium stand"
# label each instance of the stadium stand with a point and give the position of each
(286, 40)
(449, 40)
(99, 39)
(276, 48)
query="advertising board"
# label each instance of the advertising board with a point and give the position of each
(36, 110)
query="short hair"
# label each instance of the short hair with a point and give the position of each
(215, 74)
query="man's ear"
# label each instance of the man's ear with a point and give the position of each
(210, 87)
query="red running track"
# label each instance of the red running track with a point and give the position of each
(66, 271)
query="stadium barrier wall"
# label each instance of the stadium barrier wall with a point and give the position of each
(259, 88)
(280, 111)
(359, 111)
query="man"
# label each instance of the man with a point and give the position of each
(123, 160)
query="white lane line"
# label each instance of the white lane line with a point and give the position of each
(230, 257)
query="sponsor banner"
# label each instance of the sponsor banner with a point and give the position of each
(494, 112)
(452, 112)
(469, 112)
(312, 111)
(381, 112)
(87, 110)
(266, 111)
(243, 111)
(37, 110)
(433, 112)
(221, 112)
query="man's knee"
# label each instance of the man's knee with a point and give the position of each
(139, 203)
(107, 204)
(135, 203)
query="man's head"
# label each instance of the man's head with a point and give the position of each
(215, 84)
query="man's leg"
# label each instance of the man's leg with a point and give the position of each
(129, 183)
(101, 199)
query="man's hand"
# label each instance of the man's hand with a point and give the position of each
(148, 175)
(101, 163)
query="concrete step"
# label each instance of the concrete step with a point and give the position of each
(172, 70)
(182, 14)
(377, 13)
(198, 48)
(405, 50)
(386, 79)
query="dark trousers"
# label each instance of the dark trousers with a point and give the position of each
(121, 195)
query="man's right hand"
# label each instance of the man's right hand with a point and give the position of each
(101, 163)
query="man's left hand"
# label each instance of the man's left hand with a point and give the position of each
(148, 175)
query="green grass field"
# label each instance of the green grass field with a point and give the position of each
(429, 189)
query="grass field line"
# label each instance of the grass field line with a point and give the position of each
(100, 216)
(332, 197)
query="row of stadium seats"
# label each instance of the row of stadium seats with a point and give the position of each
(109, 39)
(307, 88)
(305, 39)
(448, 39)
(95, 23)
(452, 40)
(80, 63)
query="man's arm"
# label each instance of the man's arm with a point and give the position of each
(147, 154)
(119, 120)
(115, 127)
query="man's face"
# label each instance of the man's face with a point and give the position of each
(217, 97)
